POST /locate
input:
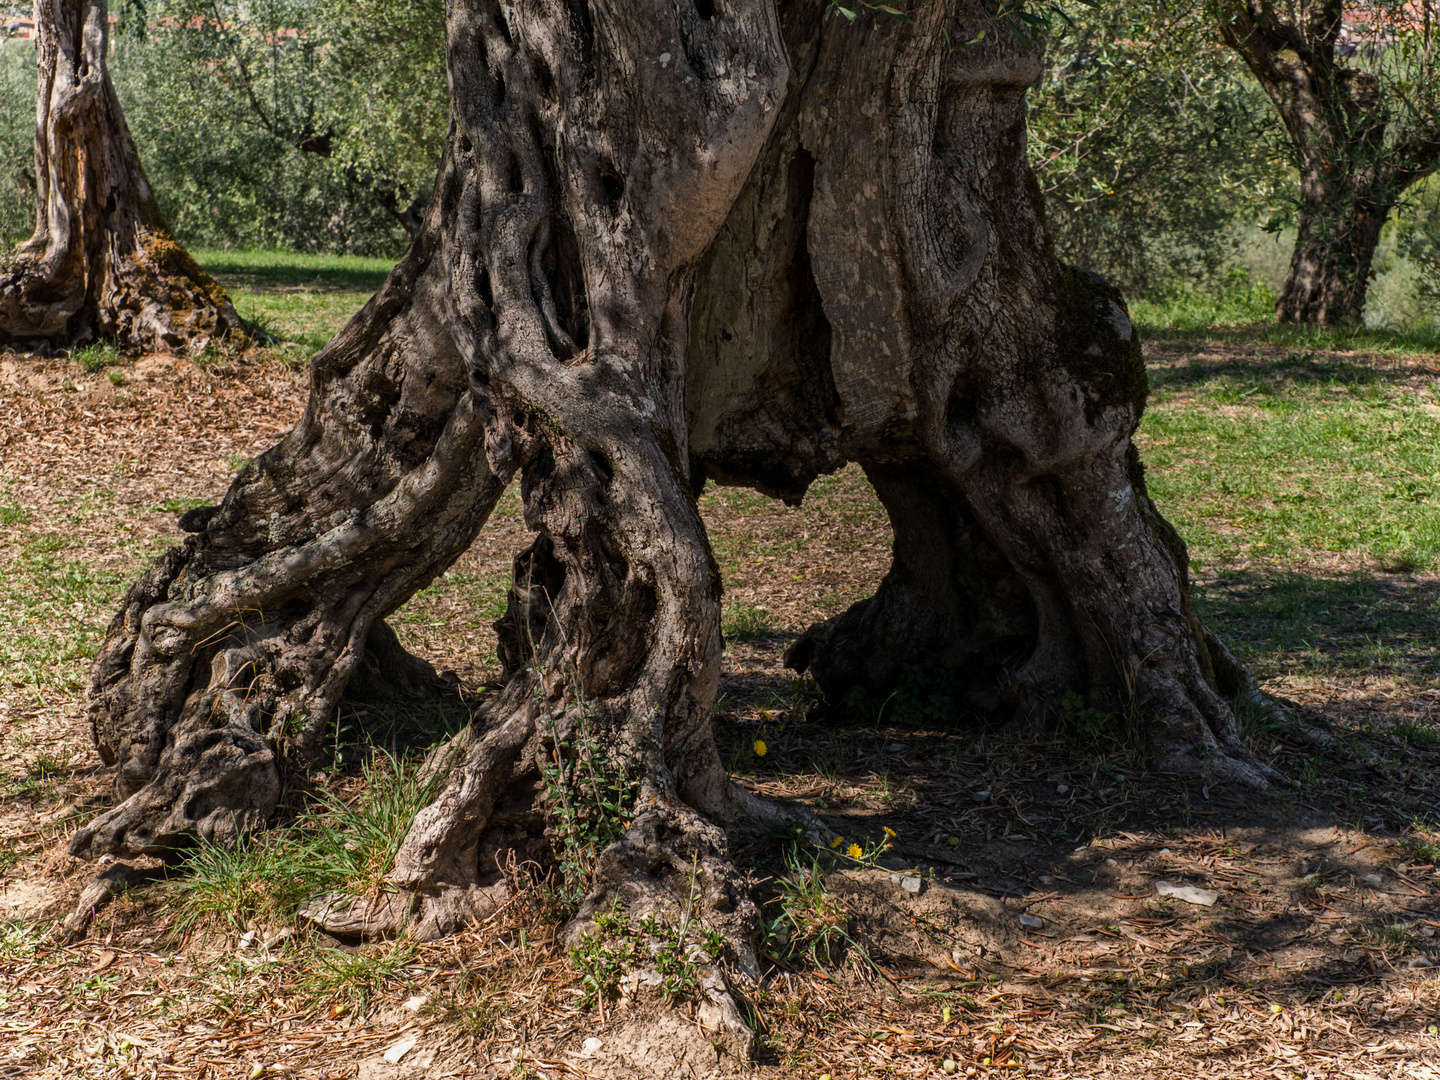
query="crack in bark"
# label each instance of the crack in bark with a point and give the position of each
(786, 245)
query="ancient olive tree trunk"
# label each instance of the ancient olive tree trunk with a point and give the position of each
(901, 307)
(1360, 106)
(102, 262)
(229, 656)
(671, 243)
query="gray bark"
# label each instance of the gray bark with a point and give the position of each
(102, 262)
(668, 245)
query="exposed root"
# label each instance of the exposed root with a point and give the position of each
(434, 887)
(215, 783)
(107, 885)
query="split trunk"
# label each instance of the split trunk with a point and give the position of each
(670, 245)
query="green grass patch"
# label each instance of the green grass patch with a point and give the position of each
(179, 506)
(482, 594)
(1241, 310)
(296, 297)
(92, 358)
(746, 622)
(333, 847)
(1276, 459)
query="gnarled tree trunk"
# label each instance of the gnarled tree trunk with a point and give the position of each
(673, 242)
(230, 655)
(102, 262)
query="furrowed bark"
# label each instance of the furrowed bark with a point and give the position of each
(102, 262)
(233, 650)
(670, 244)
(602, 150)
(990, 393)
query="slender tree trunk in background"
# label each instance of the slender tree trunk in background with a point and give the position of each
(1331, 267)
(1353, 166)
(671, 243)
(103, 262)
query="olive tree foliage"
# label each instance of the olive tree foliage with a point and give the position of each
(1155, 149)
(281, 123)
(17, 141)
(1357, 89)
(1419, 241)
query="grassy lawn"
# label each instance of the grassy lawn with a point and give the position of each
(1302, 467)
(300, 298)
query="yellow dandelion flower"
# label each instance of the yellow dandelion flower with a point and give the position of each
(890, 832)
(760, 748)
(836, 842)
(854, 851)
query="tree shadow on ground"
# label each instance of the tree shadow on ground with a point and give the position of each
(1275, 369)
(1359, 625)
(1037, 852)
(246, 272)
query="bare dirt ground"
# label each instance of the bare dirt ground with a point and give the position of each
(1015, 923)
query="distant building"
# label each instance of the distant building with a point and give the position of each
(13, 26)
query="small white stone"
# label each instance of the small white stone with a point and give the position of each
(1375, 881)
(591, 1046)
(909, 882)
(1061, 789)
(1188, 893)
(664, 59)
(400, 1049)
(1031, 921)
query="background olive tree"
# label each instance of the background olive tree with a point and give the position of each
(285, 124)
(17, 140)
(1157, 153)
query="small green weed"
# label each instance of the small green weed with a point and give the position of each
(617, 946)
(355, 978)
(11, 514)
(1420, 735)
(1422, 844)
(20, 939)
(1090, 724)
(746, 622)
(92, 358)
(811, 922)
(589, 800)
(46, 767)
(1391, 932)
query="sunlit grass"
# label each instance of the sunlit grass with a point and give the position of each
(298, 297)
(1284, 460)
